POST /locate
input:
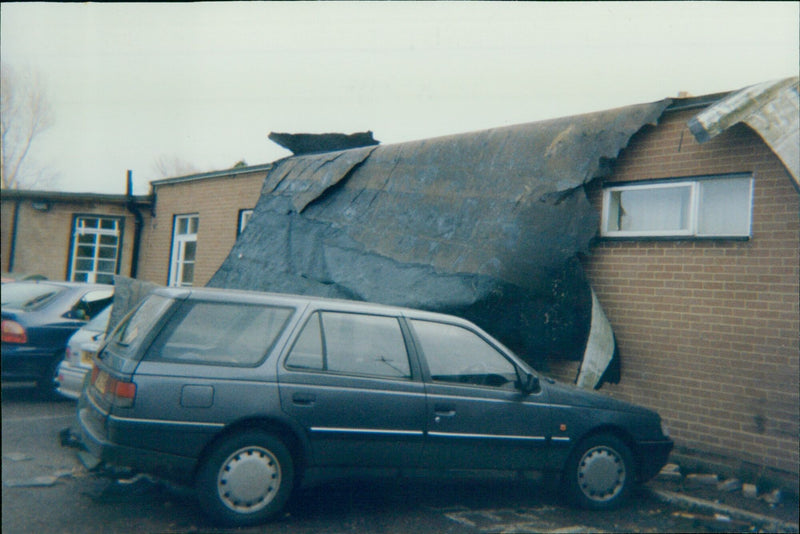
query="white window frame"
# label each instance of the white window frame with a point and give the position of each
(79, 230)
(692, 224)
(244, 218)
(178, 260)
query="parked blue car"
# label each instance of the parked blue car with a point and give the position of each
(38, 318)
(247, 395)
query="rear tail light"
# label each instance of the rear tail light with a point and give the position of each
(118, 393)
(13, 332)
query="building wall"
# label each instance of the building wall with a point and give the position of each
(43, 237)
(217, 201)
(708, 329)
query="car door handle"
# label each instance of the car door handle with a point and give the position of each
(304, 399)
(444, 410)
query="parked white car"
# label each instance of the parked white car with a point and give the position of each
(81, 348)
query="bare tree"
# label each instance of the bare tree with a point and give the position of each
(171, 166)
(25, 114)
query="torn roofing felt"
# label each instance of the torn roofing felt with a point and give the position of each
(486, 225)
(772, 109)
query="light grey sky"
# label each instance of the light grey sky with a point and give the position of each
(207, 82)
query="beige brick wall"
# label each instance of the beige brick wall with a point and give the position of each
(43, 237)
(217, 201)
(708, 330)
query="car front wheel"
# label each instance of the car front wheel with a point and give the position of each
(246, 479)
(599, 474)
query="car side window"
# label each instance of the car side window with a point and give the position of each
(352, 344)
(219, 333)
(458, 355)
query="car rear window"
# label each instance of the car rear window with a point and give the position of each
(129, 334)
(26, 296)
(219, 333)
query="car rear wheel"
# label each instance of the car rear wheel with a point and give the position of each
(46, 385)
(246, 479)
(600, 473)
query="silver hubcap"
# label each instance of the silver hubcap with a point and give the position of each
(601, 474)
(249, 479)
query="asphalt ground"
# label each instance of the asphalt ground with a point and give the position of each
(47, 490)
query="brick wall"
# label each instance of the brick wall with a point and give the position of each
(708, 330)
(217, 201)
(43, 237)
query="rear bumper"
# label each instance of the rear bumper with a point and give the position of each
(653, 455)
(140, 460)
(69, 381)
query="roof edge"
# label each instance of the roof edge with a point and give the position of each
(31, 194)
(212, 174)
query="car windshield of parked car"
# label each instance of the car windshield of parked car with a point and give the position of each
(457, 355)
(28, 296)
(219, 333)
(100, 321)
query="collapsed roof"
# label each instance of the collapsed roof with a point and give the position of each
(772, 109)
(487, 225)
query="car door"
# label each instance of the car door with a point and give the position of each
(349, 382)
(477, 415)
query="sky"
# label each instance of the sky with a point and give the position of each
(205, 83)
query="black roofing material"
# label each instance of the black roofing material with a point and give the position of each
(486, 225)
(315, 143)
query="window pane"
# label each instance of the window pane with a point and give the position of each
(85, 251)
(365, 344)
(107, 252)
(455, 354)
(106, 266)
(108, 240)
(219, 333)
(84, 265)
(193, 223)
(189, 250)
(108, 224)
(307, 350)
(660, 209)
(188, 274)
(130, 332)
(87, 238)
(725, 207)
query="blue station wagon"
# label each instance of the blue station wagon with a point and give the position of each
(248, 395)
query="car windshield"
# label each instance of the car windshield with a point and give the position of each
(100, 321)
(28, 296)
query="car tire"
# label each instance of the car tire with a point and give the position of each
(245, 479)
(600, 473)
(46, 385)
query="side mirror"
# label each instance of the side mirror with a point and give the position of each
(529, 383)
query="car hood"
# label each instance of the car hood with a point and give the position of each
(559, 393)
